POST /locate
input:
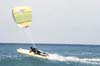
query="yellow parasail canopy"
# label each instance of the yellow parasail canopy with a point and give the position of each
(23, 16)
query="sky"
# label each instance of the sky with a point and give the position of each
(53, 21)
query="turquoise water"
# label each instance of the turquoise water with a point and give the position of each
(62, 55)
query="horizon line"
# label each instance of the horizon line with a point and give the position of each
(47, 43)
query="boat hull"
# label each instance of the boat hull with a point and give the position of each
(27, 52)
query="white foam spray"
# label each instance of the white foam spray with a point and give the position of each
(57, 57)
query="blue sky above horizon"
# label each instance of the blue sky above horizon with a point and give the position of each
(54, 21)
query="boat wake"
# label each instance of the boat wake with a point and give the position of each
(57, 57)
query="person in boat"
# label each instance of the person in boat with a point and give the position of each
(33, 50)
(36, 51)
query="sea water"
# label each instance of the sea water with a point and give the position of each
(61, 55)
